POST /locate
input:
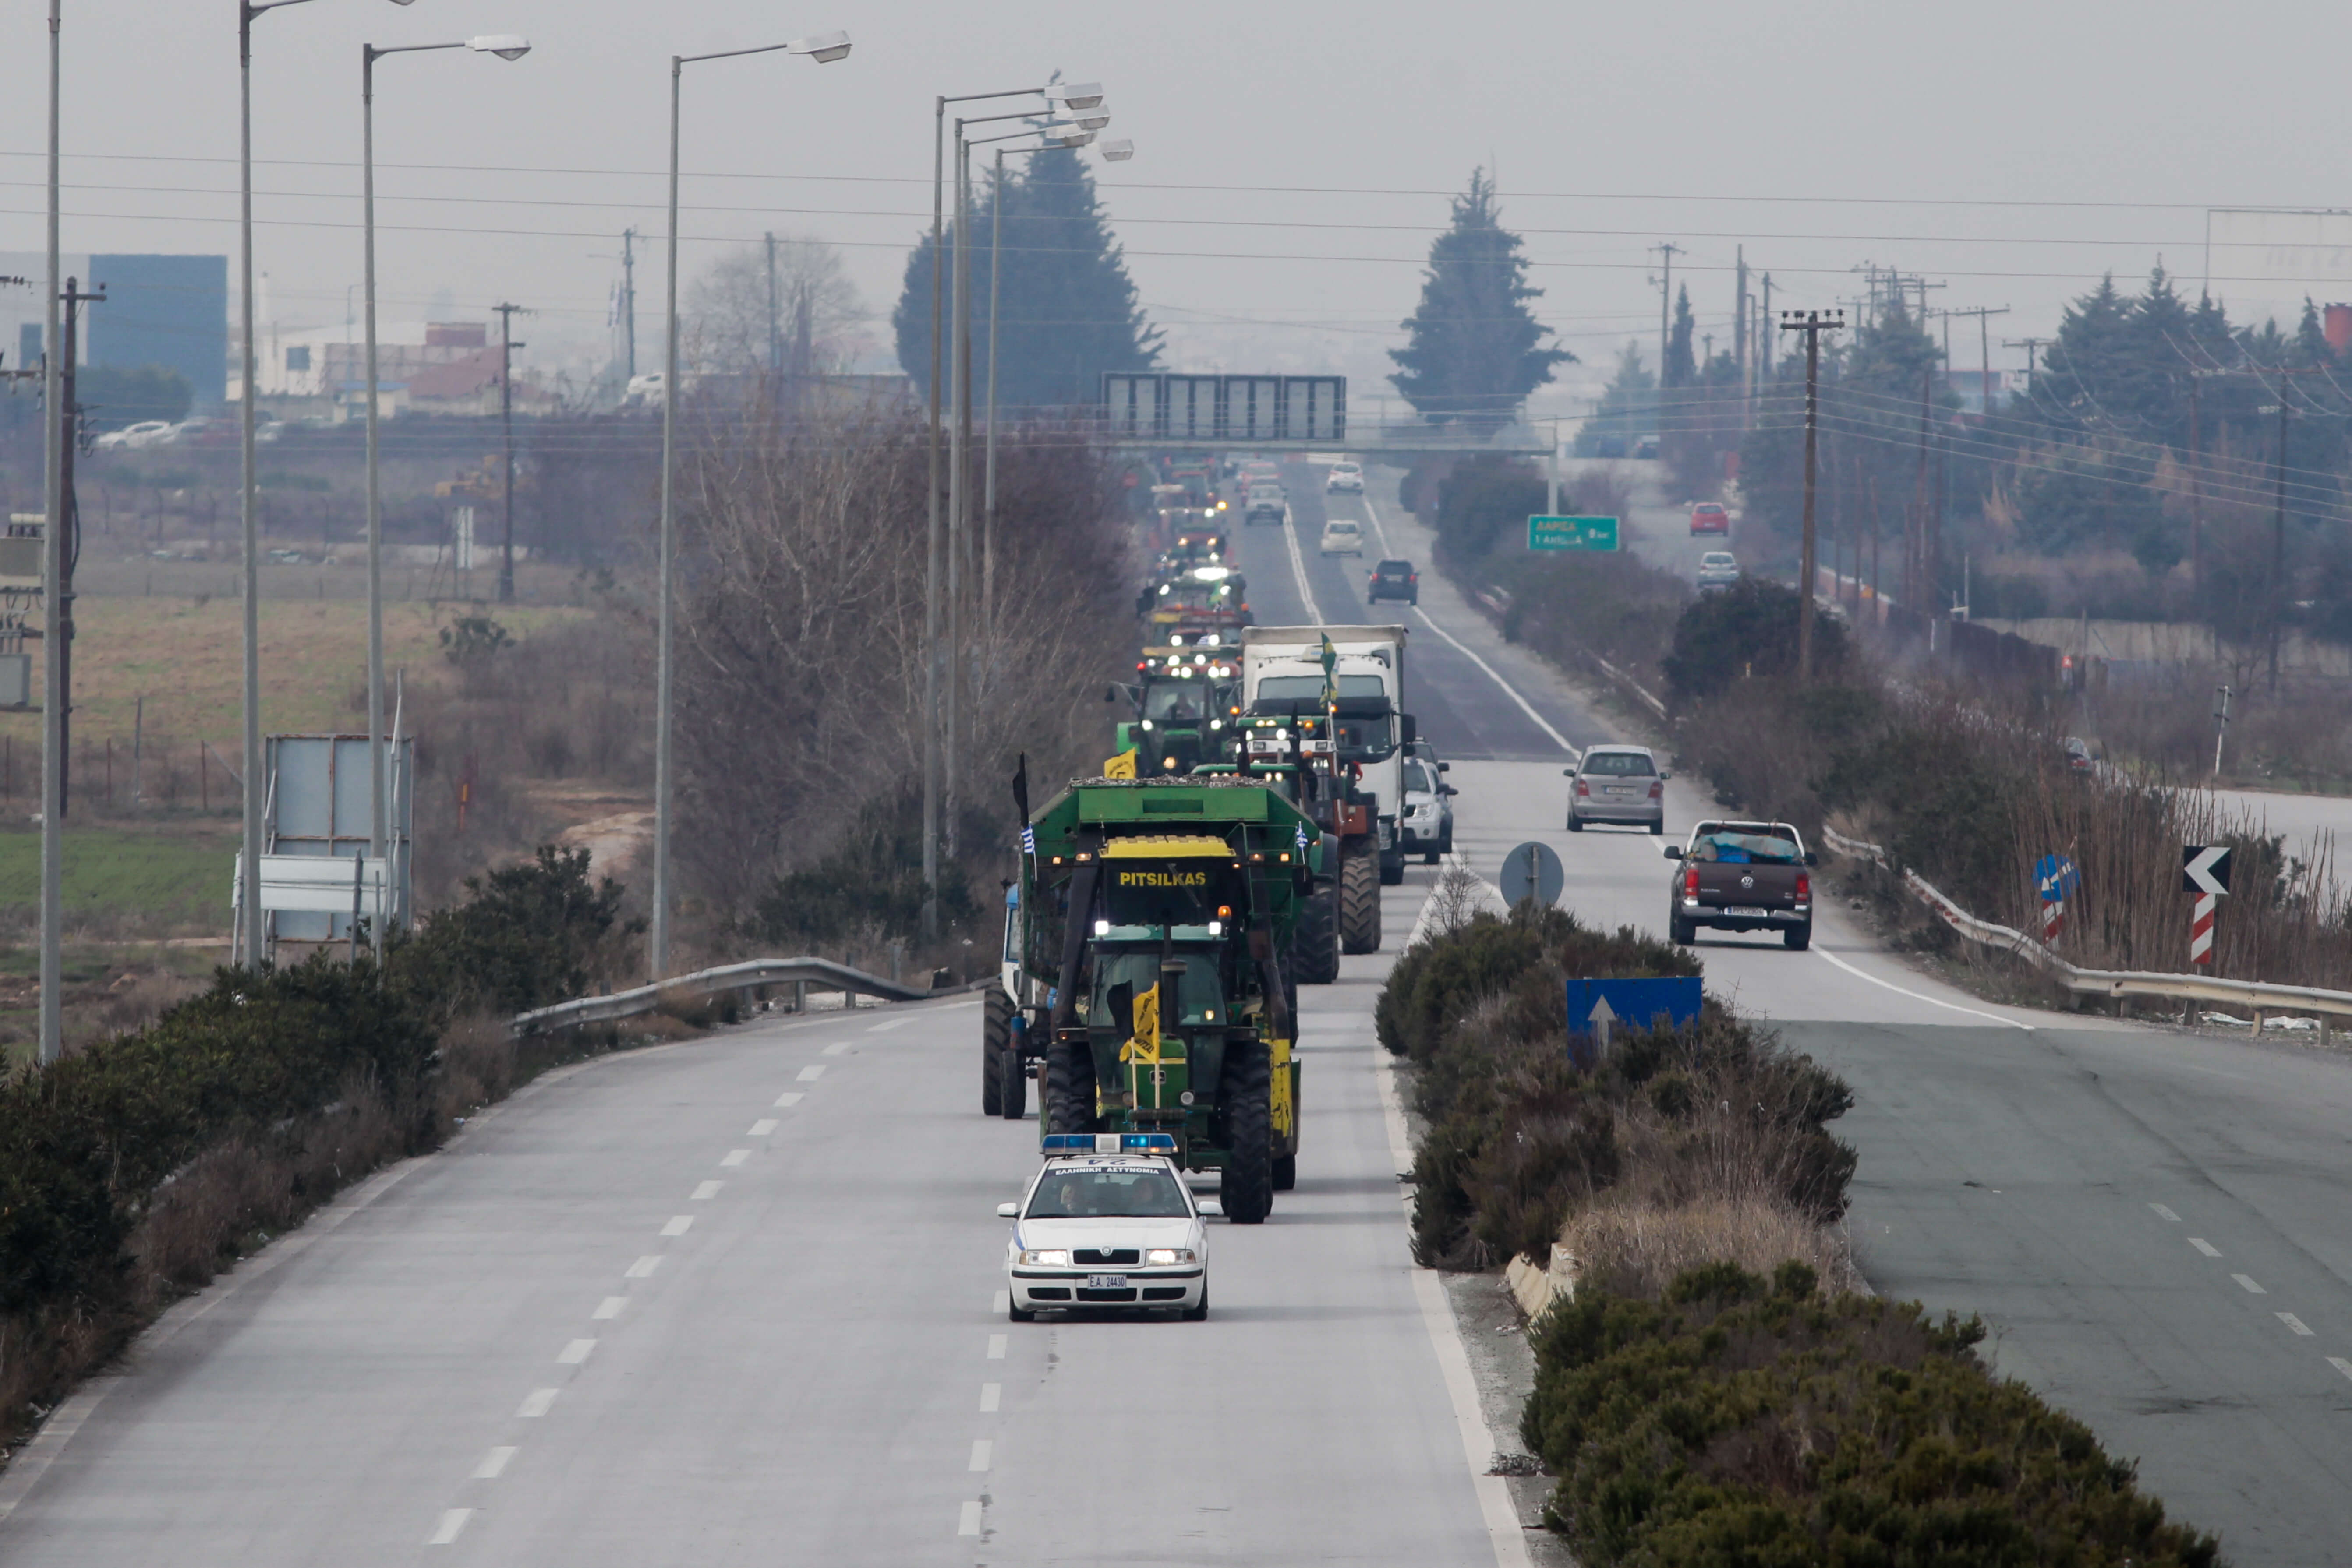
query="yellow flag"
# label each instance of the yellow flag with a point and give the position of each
(1121, 766)
(1145, 1046)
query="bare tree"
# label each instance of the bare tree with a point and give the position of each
(802, 316)
(801, 668)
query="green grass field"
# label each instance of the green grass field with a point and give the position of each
(136, 882)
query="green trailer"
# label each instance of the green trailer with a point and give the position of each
(1153, 923)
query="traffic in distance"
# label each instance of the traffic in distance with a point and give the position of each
(1262, 783)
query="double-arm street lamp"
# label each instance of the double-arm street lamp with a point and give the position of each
(1070, 97)
(249, 922)
(506, 47)
(824, 48)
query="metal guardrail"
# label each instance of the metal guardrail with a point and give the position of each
(822, 973)
(2114, 985)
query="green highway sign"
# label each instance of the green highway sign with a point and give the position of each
(1571, 534)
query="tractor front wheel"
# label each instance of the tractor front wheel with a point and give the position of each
(1069, 1100)
(1360, 899)
(1247, 1093)
(995, 1030)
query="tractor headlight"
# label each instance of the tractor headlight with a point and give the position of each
(1164, 1256)
(1047, 1257)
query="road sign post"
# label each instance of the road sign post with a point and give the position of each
(1572, 533)
(2204, 871)
(2054, 875)
(1532, 870)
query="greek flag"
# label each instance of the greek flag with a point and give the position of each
(1028, 839)
(1300, 834)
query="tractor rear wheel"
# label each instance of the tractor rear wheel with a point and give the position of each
(1069, 1100)
(995, 1029)
(1012, 1084)
(1315, 945)
(1245, 1091)
(1360, 899)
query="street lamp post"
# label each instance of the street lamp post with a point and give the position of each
(1086, 96)
(506, 47)
(248, 948)
(51, 1044)
(824, 48)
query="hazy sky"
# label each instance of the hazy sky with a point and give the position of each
(1293, 159)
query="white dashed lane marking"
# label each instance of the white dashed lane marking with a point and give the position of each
(982, 1449)
(610, 1306)
(705, 1191)
(2163, 1213)
(2340, 1365)
(494, 1464)
(991, 1395)
(787, 1100)
(1000, 1304)
(996, 1347)
(811, 1074)
(575, 1353)
(839, 1049)
(2291, 1321)
(2247, 1282)
(454, 1520)
(643, 1269)
(735, 1157)
(884, 1028)
(2205, 1247)
(680, 1223)
(537, 1403)
(968, 1524)
(764, 1126)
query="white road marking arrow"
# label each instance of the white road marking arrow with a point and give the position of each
(2199, 868)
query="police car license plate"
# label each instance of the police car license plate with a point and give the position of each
(1748, 913)
(1106, 1281)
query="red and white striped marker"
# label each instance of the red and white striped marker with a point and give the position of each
(2200, 930)
(2053, 915)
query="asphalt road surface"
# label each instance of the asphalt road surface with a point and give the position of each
(738, 1297)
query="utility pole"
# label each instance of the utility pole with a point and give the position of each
(2278, 533)
(1919, 579)
(1813, 324)
(1984, 348)
(68, 554)
(51, 1046)
(1669, 250)
(2029, 345)
(629, 299)
(1739, 319)
(507, 346)
(775, 333)
(1764, 339)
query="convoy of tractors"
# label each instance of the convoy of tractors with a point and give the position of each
(1234, 845)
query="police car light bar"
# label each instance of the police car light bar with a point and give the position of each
(1109, 1144)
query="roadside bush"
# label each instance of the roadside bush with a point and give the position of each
(1747, 630)
(1743, 1419)
(1618, 607)
(1520, 1138)
(526, 936)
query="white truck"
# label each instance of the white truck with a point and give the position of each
(1282, 673)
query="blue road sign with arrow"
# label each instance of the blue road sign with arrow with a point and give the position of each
(2055, 878)
(1593, 1005)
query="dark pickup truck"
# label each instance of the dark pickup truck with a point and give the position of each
(1742, 876)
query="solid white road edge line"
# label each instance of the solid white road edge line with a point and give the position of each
(1459, 646)
(1916, 996)
(1504, 1532)
(1298, 565)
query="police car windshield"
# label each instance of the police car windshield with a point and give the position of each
(1147, 1193)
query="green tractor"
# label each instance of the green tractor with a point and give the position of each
(1163, 909)
(1181, 702)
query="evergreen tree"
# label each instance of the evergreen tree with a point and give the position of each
(1629, 407)
(1682, 361)
(1473, 348)
(1068, 309)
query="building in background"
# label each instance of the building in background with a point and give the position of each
(169, 311)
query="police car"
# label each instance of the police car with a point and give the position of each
(1109, 1223)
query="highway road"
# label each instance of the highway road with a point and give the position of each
(739, 1295)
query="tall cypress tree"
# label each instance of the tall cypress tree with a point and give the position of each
(1067, 311)
(1473, 349)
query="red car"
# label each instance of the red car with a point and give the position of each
(1708, 517)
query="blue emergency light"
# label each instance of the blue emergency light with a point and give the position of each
(1109, 1144)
